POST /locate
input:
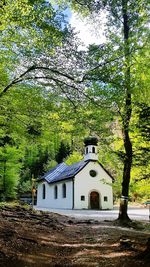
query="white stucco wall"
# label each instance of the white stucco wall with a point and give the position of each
(84, 184)
(50, 201)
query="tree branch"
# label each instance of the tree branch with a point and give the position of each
(16, 80)
(55, 71)
(65, 75)
(101, 65)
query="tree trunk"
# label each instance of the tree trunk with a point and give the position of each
(123, 216)
(126, 179)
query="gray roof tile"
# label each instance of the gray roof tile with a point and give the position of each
(63, 172)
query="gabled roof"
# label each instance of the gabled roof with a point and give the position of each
(63, 172)
(106, 171)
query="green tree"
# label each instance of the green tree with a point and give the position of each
(113, 67)
(9, 172)
(105, 77)
(34, 30)
(74, 157)
(63, 152)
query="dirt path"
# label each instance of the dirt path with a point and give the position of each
(29, 239)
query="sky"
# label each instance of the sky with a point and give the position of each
(85, 30)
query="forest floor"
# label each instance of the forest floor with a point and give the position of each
(34, 238)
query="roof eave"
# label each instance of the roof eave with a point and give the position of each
(106, 171)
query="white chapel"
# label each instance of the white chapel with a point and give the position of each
(83, 185)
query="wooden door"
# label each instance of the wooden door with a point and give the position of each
(94, 200)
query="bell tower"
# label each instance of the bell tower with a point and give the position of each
(90, 148)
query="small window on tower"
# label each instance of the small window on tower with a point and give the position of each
(105, 198)
(93, 149)
(86, 150)
(82, 198)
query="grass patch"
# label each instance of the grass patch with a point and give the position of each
(14, 204)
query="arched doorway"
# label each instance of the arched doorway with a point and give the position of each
(94, 200)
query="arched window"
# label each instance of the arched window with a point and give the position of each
(93, 149)
(55, 192)
(44, 191)
(64, 190)
(86, 150)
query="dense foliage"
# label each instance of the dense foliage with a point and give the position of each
(52, 94)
